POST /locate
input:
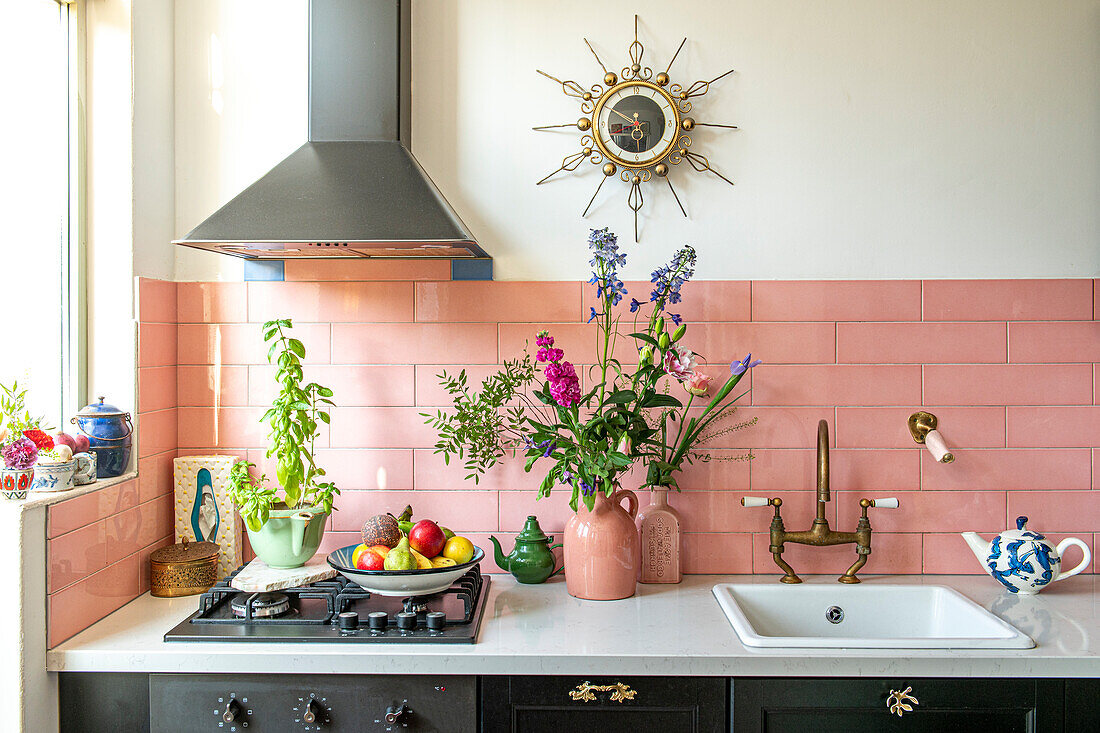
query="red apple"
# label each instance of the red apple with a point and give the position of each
(370, 560)
(427, 538)
(82, 444)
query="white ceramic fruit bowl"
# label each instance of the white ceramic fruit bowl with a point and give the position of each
(400, 582)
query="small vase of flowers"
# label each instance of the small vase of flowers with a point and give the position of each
(590, 439)
(22, 439)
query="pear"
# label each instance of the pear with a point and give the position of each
(400, 557)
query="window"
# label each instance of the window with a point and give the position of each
(38, 240)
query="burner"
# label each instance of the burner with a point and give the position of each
(264, 605)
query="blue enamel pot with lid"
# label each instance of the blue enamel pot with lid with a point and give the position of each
(110, 435)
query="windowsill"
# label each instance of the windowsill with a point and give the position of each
(45, 498)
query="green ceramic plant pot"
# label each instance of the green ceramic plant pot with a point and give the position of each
(290, 537)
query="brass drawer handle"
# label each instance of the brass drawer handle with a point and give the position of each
(586, 692)
(898, 702)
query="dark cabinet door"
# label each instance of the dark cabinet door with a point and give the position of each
(773, 705)
(605, 704)
(1082, 706)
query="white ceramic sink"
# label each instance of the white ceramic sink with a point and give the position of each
(869, 617)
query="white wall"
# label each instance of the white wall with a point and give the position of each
(879, 139)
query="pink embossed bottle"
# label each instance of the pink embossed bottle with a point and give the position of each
(660, 534)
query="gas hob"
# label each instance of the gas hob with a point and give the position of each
(337, 611)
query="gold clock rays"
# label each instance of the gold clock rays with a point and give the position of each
(636, 126)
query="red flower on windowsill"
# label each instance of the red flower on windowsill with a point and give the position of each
(40, 439)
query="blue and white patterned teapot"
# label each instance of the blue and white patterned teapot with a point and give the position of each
(1024, 561)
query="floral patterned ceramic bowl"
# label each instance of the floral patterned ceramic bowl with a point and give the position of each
(54, 476)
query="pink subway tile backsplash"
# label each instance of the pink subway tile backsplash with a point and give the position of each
(352, 386)
(781, 343)
(1053, 427)
(493, 302)
(76, 555)
(1062, 342)
(836, 300)
(156, 345)
(1057, 511)
(1007, 300)
(81, 604)
(861, 354)
(212, 302)
(156, 432)
(829, 385)
(1006, 469)
(703, 301)
(156, 301)
(716, 552)
(204, 385)
(242, 343)
(888, 427)
(921, 343)
(1008, 384)
(156, 388)
(155, 476)
(358, 302)
(413, 343)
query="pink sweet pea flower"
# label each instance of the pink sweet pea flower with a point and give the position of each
(679, 362)
(697, 384)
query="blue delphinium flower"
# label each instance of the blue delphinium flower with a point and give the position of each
(635, 304)
(676, 318)
(668, 279)
(740, 367)
(606, 261)
(595, 314)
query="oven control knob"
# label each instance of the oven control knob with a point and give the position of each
(314, 712)
(232, 711)
(377, 620)
(436, 620)
(397, 713)
(406, 620)
(348, 620)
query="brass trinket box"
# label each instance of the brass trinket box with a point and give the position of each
(183, 569)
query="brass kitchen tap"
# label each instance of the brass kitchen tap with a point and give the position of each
(819, 534)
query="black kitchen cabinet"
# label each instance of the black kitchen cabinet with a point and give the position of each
(531, 704)
(1082, 706)
(802, 705)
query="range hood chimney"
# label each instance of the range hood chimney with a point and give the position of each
(353, 190)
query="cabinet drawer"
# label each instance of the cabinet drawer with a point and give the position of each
(608, 704)
(772, 705)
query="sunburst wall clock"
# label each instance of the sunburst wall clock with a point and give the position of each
(636, 126)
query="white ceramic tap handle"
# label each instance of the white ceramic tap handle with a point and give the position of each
(888, 503)
(754, 501)
(937, 447)
(1080, 566)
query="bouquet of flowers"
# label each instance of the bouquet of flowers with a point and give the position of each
(591, 438)
(22, 436)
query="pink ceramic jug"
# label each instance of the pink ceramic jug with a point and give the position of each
(601, 548)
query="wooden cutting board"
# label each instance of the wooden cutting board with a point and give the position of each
(256, 576)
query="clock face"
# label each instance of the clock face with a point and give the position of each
(636, 124)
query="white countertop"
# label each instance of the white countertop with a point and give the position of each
(662, 630)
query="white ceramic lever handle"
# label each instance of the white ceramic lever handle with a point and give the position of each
(888, 503)
(1080, 566)
(937, 447)
(754, 501)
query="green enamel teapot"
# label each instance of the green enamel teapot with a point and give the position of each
(531, 560)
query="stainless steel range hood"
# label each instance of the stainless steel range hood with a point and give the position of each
(353, 190)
